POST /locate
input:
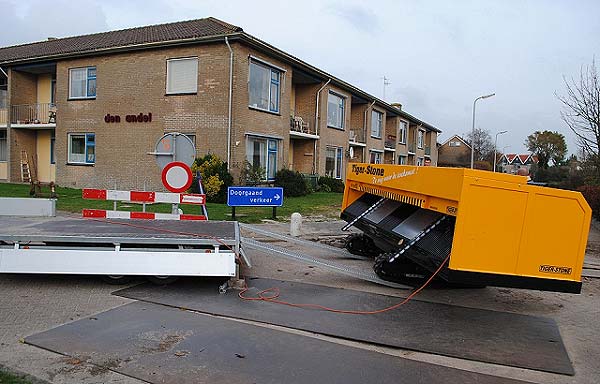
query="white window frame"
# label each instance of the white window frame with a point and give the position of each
(402, 159)
(271, 153)
(402, 132)
(272, 69)
(88, 160)
(379, 116)
(192, 88)
(420, 138)
(420, 161)
(378, 156)
(88, 77)
(341, 106)
(3, 145)
(338, 161)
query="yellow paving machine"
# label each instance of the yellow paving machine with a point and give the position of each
(486, 228)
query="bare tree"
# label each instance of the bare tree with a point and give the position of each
(581, 111)
(482, 144)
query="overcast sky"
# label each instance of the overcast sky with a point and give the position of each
(438, 55)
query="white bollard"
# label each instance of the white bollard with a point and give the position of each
(295, 224)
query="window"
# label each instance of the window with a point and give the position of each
(192, 137)
(264, 84)
(82, 148)
(182, 75)
(53, 91)
(375, 157)
(420, 139)
(454, 144)
(262, 152)
(3, 93)
(82, 83)
(402, 159)
(402, 133)
(3, 148)
(420, 161)
(52, 146)
(335, 111)
(333, 162)
(376, 124)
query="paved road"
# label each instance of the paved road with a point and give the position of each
(30, 304)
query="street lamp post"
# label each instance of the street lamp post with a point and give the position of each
(473, 128)
(504, 149)
(496, 147)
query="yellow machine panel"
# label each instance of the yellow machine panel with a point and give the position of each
(498, 229)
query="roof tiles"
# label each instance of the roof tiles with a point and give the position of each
(126, 37)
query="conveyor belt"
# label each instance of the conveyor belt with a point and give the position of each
(394, 225)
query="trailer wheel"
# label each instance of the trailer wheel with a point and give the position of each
(162, 280)
(116, 279)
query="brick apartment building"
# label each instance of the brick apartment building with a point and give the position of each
(85, 111)
(454, 152)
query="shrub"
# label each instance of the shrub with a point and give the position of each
(292, 182)
(592, 195)
(251, 174)
(215, 178)
(551, 174)
(330, 184)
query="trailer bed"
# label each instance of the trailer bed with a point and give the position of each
(118, 247)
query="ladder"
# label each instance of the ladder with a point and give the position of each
(25, 173)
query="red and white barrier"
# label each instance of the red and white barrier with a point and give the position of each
(144, 197)
(104, 214)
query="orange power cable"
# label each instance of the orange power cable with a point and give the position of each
(275, 293)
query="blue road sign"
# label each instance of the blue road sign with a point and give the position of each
(254, 196)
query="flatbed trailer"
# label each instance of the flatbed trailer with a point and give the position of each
(62, 245)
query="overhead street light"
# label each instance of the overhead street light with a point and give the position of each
(473, 128)
(504, 149)
(496, 147)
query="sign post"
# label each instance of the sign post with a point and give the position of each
(254, 197)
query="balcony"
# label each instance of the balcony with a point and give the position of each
(33, 114)
(357, 137)
(411, 148)
(390, 143)
(3, 116)
(300, 127)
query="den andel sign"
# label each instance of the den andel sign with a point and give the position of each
(139, 118)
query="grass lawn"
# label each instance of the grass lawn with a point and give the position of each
(7, 378)
(315, 204)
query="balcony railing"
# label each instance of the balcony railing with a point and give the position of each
(390, 142)
(301, 125)
(357, 135)
(3, 115)
(41, 113)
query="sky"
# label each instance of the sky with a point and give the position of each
(438, 56)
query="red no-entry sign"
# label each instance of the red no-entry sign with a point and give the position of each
(177, 177)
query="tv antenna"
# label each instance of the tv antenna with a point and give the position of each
(386, 82)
